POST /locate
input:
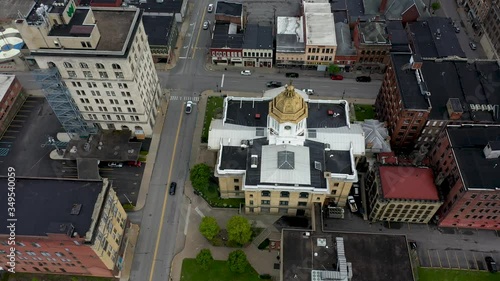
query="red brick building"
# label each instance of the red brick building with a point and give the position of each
(229, 12)
(466, 163)
(372, 43)
(403, 100)
(12, 98)
(72, 227)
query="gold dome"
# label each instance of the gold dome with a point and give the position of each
(288, 106)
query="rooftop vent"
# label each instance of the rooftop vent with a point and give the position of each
(257, 115)
(76, 209)
(492, 150)
(317, 166)
(306, 234)
(254, 160)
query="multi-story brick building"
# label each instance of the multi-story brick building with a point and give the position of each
(12, 98)
(491, 37)
(227, 45)
(283, 152)
(372, 44)
(466, 160)
(321, 41)
(419, 98)
(65, 227)
(258, 49)
(346, 55)
(398, 193)
(290, 42)
(230, 12)
(100, 61)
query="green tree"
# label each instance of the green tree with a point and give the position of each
(333, 69)
(239, 230)
(200, 176)
(204, 259)
(237, 261)
(435, 6)
(209, 227)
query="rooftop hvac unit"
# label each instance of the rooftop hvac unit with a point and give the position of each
(490, 107)
(254, 161)
(472, 106)
(478, 106)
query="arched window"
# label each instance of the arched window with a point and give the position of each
(304, 195)
(285, 194)
(116, 66)
(125, 127)
(99, 66)
(84, 65)
(265, 193)
(67, 64)
(51, 64)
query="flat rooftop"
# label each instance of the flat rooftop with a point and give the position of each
(166, 7)
(157, 29)
(258, 37)
(320, 29)
(408, 86)
(398, 37)
(401, 182)
(290, 35)
(45, 205)
(5, 81)
(226, 36)
(88, 169)
(106, 146)
(435, 37)
(468, 144)
(229, 8)
(394, 8)
(373, 257)
(373, 33)
(75, 27)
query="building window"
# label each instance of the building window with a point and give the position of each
(251, 202)
(99, 66)
(236, 187)
(67, 65)
(284, 194)
(119, 75)
(84, 65)
(236, 180)
(304, 195)
(87, 74)
(302, 204)
(71, 74)
(116, 66)
(283, 203)
(265, 202)
(103, 74)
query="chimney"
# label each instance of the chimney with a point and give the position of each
(454, 107)
(383, 5)
(416, 61)
(492, 150)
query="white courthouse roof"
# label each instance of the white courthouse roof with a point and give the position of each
(230, 134)
(320, 27)
(342, 137)
(271, 173)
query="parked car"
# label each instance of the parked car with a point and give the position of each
(336, 77)
(205, 25)
(246, 72)
(292, 74)
(352, 204)
(472, 45)
(134, 163)
(413, 244)
(210, 8)
(363, 79)
(457, 29)
(189, 107)
(115, 165)
(308, 91)
(273, 84)
(173, 186)
(491, 264)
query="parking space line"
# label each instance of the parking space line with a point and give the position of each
(475, 259)
(466, 261)
(429, 254)
(447, 258)
(439, 259)
(456, 256)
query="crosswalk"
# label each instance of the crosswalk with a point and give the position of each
(181, 98)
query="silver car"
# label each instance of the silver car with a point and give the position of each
(205, 25)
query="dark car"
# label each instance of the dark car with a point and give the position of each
(491, 264)
(292, 74)
(363, 79)
(173, 186)
(274, 84)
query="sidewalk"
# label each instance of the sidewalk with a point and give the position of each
(131, 236)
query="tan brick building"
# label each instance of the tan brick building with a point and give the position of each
(402, 194)
(12, 97)
(283, 152)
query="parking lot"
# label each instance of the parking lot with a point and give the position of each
(455, 259)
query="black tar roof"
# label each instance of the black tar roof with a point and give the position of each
(106, 146)
(258, 37)
(244, 113)
(43, 205)
(474, 83)
(287, 43)
(233, 158)
(88, 169)
(157, 28)
(222, 38)
(398, 37)
(228, 8)
(468, 144)
(338, 161)
(410, 92)
(75, 22)
(425, 31)
(168, 6)
(374, 257)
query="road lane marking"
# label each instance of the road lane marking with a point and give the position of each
(166, 195)
(199, 32)
(222, 81)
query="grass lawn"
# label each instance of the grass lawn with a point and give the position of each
(211, 195)
(51, 277)
(219, 271)
(214, 106)
(428, 274)
(364, 111)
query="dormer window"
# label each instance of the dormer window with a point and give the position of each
(288, 127)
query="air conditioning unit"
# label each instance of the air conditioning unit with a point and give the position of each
(478, 106)
(490, 107)
(484, 107)
(472, 106)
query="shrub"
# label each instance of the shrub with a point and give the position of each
(209, 227)
(237, 261)
(239, 230)
(204, 259)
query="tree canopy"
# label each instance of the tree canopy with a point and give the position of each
(239, 230)
(237, 261)
(209, 227)
(200, 175)
(204, 259)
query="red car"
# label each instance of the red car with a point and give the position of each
(134, 163)
(337, 77)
